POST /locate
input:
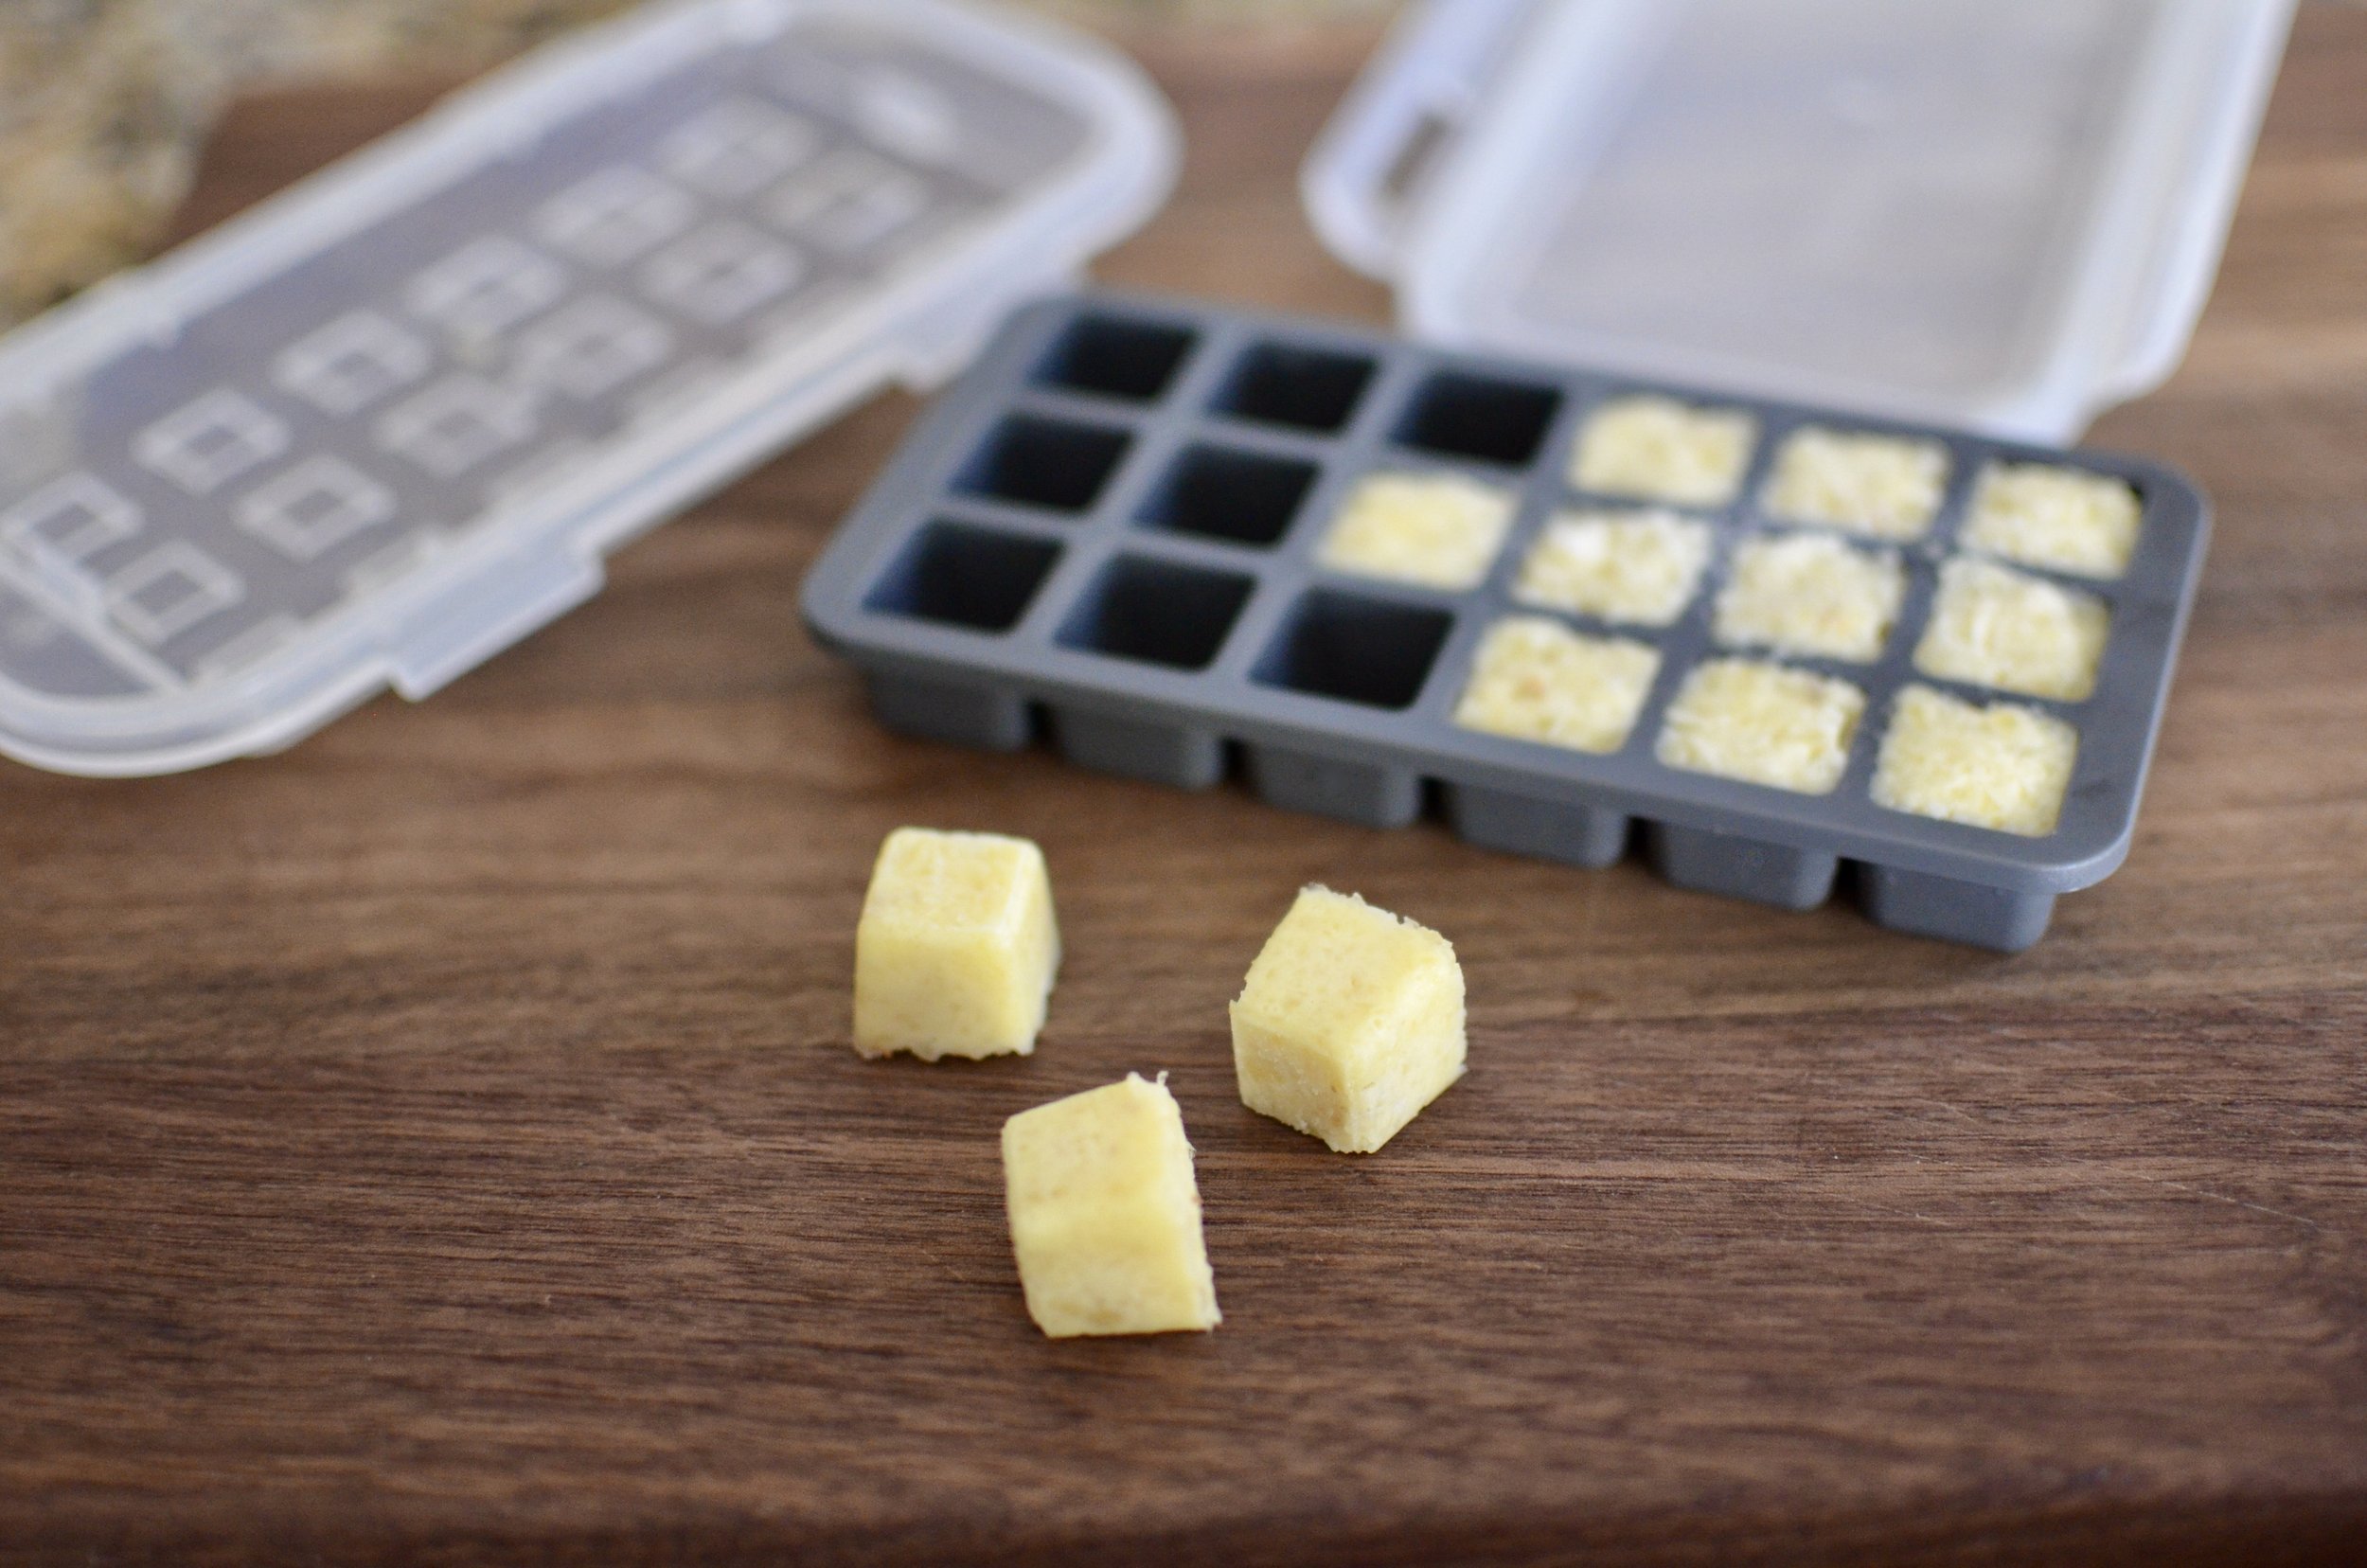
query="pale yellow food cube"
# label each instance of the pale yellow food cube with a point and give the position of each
(2044, 515)
(2002, 766)
(1104, 1215)
(1350, 1022)
(1810, 594)
(1663, 449)
(1440, 531)
(1535, 679)
(957, 946)
(1993, 626)
(1762, 723)
(1640, 568)
(1885, 486)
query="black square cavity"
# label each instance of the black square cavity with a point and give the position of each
(1288, 385)
(1158, 612)
(1497, 422)
(1043, 462)
(1115, 356)
(965, 575)
(1358, 650)
(1223, 493)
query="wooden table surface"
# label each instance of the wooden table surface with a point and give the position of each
(440, 1142)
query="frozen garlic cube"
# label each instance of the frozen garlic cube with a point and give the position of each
(2004, 766)
(956, 948)
(1639, 567)
(1810, 594)
(1441, 530)
(1663, 449)
(1886, 485)
(1350, 1022)
(1105, 1216)
(1535, 679)
(1996, 627)
(2044, 515)
(1762, 723)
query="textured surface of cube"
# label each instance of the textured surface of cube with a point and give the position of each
(1640, 568)
(1350, 1022)
(1885, 486)
(1810, 594)
(1440, 531)
(2004, 766)
(1996, 627)
(1105, 1214)
(1534, 678)
(957, 946)
(2042, 515)
(1663, 449)
(1762, 723)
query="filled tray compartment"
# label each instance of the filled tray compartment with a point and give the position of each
(1576, 611)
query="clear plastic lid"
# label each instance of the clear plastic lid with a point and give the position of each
(2003, 214)
(390, 422)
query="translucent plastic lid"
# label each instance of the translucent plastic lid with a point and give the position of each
(2003, 214)
(390, 422)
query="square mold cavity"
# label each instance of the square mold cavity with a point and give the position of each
(2055, 517)
(1355, 648)
(1811, 596)
(1638, 568)
(1352, 649)
(1440, 531)
(1157, 611)
(1497, 422)
(1160, 612)
(1220, 493)
(1286, 384)
(1884, 487)
(958, 575)
(1117, 357)
(1039, 462)
(1993, 626)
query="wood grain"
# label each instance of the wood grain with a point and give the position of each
(438, 1142)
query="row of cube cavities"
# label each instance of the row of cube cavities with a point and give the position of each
(1533, 678)
(1806, 594)
(1644, 446)
(2004, 766)
(1299, 387)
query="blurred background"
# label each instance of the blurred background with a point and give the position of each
(104, 104)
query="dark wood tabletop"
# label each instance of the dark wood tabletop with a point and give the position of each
(440, 1142)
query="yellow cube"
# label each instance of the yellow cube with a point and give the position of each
(1534, 679)
(1639, 567)
(1886, 485)
(1105, 1216)
(2044, 515)
(1996, 627)
(1440, 531)
(1810, 593)
(956, 948)
(2004, 766)
(1762, 723)
(1351, 1021)
(1664, 450)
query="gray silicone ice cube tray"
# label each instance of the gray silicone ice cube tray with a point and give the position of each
(1111, 523)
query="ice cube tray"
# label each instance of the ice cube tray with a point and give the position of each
(390, 422)
(1111, 523)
